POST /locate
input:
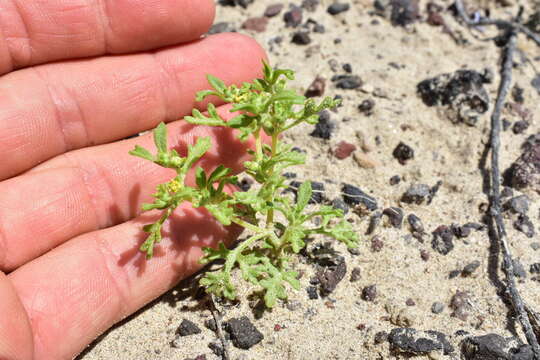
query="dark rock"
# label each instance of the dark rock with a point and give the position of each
(376, 244)
(312, 292)
(293, 17)
(273, 10)
(301, 38)
(316, 88)
(216, 348)
(404, 12)
(415, 223)
(325, 255)
(535, 268)
(493, 347)
(403, 153)
(374, 221)
(221, 27)
(257, 24)
(443, 240)
(524, 225)
(337, 8)
(310, 5)
(187, 328)
(518, 204)
(369, 293)
(242, 3)
(461, 303)
(344, 150)
(347, 81)
(395, 215)
(535, 246)
(462, 92)
(330, 277)
(354, 196)
(470, 268)
(517, 94)
(519, 270)
(394, 180)
(520, 127)
(338, 203)
(366, 107)
(416, 193)
(347, 68)
(535, 82)
(415, 342)
(243, 333)
(433, 191)
(454, 274)
(245, 183)
(437, 307)
(210, 324)
(325, 127)
(410, 302)
(525, 172)
(505, 124)
(355, 274)
(424, 255)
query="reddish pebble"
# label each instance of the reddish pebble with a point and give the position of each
(277, 327)
(424, 255)
(273, 10)
(257, 24)
(343, 150)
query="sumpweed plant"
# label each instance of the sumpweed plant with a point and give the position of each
(276, 224)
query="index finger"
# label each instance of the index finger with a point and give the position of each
(39, 31)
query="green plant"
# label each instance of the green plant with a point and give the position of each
(277, 225)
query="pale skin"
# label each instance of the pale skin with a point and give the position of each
(76, 78)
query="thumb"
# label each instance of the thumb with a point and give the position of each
(16, 340)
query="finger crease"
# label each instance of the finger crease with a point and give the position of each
(57, 113)
(105, 21)
(122, 291)
(26, 58)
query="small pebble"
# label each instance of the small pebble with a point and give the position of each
(416, 193)
(347, 82)
(395, 215)
(443, 240)
(310, 5)
(394, 180)
(257, 24)
(535, 268)
(273, 10)
(369, 293)
(403, 153)
(415, 223)
(187, 328)
(518, 204)
(437, 307)
(221, 27)
(520, 127)
(424, 255)
(410, 302)
(243, 333)
(325, 127)
(535, 245)
(355, 274)
(366, 107)
(380, 337)
(343, 150)
(524, 224)
(337, 8)
(338, 203)
(470, 268)
(352, 195)
(316, 88)
(364, 160)
(293, 17)
(376, 244)
(301, 38)
(312, 292)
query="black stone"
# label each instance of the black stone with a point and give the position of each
(221, 27)
(443, 240)
(369, 293)
(293, 17)
(374, 221)
(338, 203)
(330, 277)
(317, 188)
(403, 153)
(394, 180)
(301, 38)
(243, 333)
(525, 171)
(354, 196)
(347, 81)
(492, 347)
(416, 223)
(337, 8)
(395, 215)
(366, 107)
(518, 204)
(404, 12)
(524, 225)
(312, 292)
(415, 342)
(187, 328)
(470, 268)
(325, 127)
(520, 127)
(416, 193)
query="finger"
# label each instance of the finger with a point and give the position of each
(16, 341)
(35, 32)
(54, 108)
(88, 284)
(94, 188)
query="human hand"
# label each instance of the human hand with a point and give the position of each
(76, 78)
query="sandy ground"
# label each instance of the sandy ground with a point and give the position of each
(390, 61)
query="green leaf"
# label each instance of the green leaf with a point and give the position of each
(142, 153)
(152, 239)
(216, 83)
(220, 172)
(295, 236)
(274, 290)
(201, 95)
(303, 195)
(196, 151)
(219, 283)
(200, 177)
(199, 119)
(160, 137)
(211, 254)
(222, 212)
(344, 232)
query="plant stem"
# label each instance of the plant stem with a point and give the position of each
(270, 214)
